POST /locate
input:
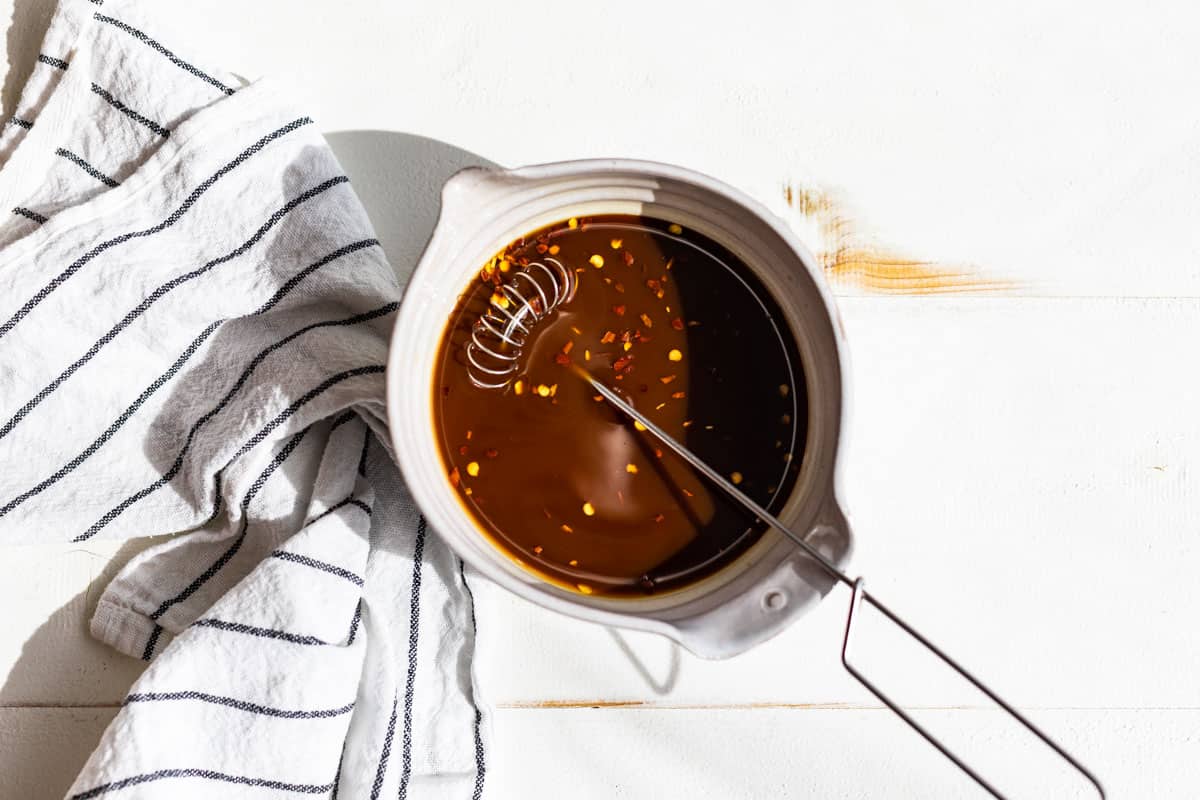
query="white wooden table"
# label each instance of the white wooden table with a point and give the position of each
(1025, 467)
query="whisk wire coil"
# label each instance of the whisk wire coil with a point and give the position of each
(499, 335)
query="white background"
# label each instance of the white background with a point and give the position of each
(1023, 473)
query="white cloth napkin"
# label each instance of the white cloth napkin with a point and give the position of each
(194, 319)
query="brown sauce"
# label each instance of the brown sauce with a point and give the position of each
(564, 484)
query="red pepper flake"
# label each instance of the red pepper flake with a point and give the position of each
(462, 451)
(657, 453)
(627, 336)
(668, 378)
(455, 477)
(687, 423)
(541, 248)
(689, 494)
(608, 338)
(649, 323)
(620, 287)
(569, 346)
(653, 285)
(491, 452)
(660, 406)
(677, 324)
(693, 323)
(562, 359)
(670, 263)
(537, 551)
(619, 310)
(468, 436)
(679, 395)
(659, 517)
(621, 363)
(628, 258)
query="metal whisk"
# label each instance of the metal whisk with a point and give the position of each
(500, 333)
(859, 595)
(497, 339)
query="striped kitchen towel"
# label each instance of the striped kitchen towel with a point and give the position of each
(194, 317)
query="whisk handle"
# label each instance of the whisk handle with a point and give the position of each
(857, 598)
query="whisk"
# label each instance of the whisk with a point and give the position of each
(500, 333)
(497, 339)
(858, 596)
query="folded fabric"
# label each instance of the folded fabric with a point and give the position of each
(194, 318)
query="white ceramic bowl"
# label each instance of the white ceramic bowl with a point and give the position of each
(482, 211)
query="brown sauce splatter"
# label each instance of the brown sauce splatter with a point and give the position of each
(851, 258)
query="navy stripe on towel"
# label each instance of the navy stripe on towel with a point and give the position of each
(349, 501)
(21, 123)
(381, 770)
(52, 61)
(262, 633)
(86, 167)
(205, 774)
(348, 415)
(129, 112)
(152, 642)
(355, 621)
(414, 627)
(241, 705)
(323, 566)
(174, 59)
(362, 459)
(29, 214)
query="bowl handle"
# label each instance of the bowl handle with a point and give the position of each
(761, 604)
